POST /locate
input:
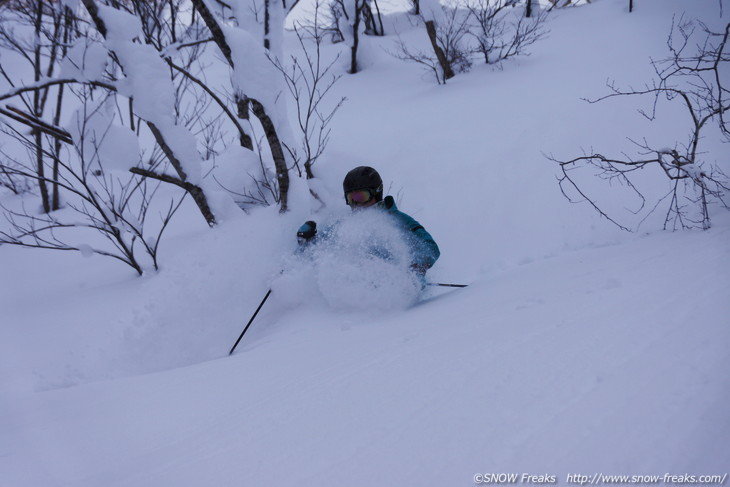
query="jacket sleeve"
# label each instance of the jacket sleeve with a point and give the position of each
(425, 250)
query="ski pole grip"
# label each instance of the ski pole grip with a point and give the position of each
(307, 231)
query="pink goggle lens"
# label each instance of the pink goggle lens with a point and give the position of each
(359, 197)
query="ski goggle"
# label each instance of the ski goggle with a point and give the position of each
(359, 197)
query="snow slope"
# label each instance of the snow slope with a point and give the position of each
(575, 364)
(576, 348)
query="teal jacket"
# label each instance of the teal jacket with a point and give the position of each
(423, 248)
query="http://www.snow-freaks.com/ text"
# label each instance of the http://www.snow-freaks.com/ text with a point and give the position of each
(599, 479)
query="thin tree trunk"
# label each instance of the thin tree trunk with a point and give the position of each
(56, 197)
(277, 152)
(38, 112)
(215, 30)
(53, 55)
(56, 200)
(355, 38)
(267, 27)
(272, 137)
(173, 21)
(131, 115)
(445, 66)
(380, 18)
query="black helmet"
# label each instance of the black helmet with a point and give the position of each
(363, 177)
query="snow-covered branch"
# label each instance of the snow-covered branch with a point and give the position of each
(248, 60)
(142, 65)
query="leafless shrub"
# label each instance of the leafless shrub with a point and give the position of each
(60, 30)
(373, 19)
(83, 195)
(693, 76)
(501, 31)
(39, 33)
(449, 54)
(495, 29)
(98, 201)
(309, 81)
(450, 37)
(337, 18)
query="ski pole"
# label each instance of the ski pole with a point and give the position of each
(445, 285)
(249, 322)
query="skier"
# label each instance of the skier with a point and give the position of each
(363, 188)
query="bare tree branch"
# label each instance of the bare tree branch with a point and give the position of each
(36, 124)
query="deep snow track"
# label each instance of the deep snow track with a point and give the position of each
(566, 365)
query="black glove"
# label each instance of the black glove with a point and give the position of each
(306, 232)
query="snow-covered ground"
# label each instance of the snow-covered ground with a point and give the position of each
(577, 348)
